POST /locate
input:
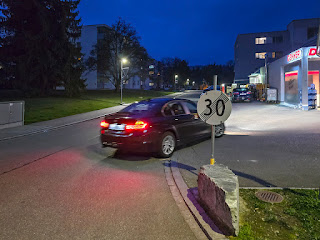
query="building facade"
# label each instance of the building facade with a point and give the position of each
(296, 77)
(97, 79)
(255, 50)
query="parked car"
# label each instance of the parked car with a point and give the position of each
(210, 88)
(156, 125)
(241, 94)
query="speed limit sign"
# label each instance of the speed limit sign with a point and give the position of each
(214, 107)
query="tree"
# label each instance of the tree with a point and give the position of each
(72, 57)
(172, 67)
(120, 41)
(38, 51)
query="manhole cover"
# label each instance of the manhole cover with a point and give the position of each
(270, 197)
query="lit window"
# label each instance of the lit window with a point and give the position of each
(261, 55)
(273, 54)
(262, 40)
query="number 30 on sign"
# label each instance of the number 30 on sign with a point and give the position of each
(214, 107)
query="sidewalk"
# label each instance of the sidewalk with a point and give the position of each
(14, 132)
(10, 133)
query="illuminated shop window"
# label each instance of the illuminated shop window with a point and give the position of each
(273, 54)
(261, 55)
(261, 40)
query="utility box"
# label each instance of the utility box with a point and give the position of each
(272, 95)
(11, 114)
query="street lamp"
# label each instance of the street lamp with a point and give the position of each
(265, 75)
(175, 81)
(123, 61)
(187, 83)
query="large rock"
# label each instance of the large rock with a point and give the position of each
(218, 190)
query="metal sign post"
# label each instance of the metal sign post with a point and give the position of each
(214, 108)
(213, 127)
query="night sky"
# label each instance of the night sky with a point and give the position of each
(199, 31)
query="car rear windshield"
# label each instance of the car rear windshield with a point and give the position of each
(142, 108)
(240, 90)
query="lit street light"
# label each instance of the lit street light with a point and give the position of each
(123, 61)
(175, 81)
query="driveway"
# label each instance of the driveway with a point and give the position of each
(265, 145)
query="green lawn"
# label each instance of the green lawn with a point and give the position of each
(42, 109)
(296, 217)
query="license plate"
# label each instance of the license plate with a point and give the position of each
(243, 94)
(116, 127)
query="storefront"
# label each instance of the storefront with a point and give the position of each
(296, 76)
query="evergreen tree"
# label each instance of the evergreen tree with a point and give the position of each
(72, 56)
(38, 51)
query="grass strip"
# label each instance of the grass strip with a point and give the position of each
(296, 217)
(52, 107)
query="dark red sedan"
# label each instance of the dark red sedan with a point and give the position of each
(156, 125)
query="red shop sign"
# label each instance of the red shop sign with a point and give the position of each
(296, 55)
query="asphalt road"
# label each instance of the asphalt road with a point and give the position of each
(62, 185)
(265, 145)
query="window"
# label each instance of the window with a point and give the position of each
(277, 39)
(192, 107)
(261, 40)
(177, 109)
(140, 107)
(102, 30)
(279, 54)
(167, 111)
(261, 55)
(312, 32)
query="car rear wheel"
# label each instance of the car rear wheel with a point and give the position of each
(167, 144)
(219, 130)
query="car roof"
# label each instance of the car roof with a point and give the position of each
(163, 100)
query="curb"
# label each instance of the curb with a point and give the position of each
(46, 128)
(49, 129)
(195, 216)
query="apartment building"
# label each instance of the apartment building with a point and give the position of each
(255, 50)
(98, 79)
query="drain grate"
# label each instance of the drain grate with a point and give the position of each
(270, 197)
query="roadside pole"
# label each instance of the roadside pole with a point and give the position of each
(121, 77)
(213, 127)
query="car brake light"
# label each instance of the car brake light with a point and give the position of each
(104, 124)
(249, 92)
(138, 125)
(235, 93)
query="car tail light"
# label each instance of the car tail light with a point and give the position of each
(236, 93)
(137, 126)
(104, 124)
(249, 92)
